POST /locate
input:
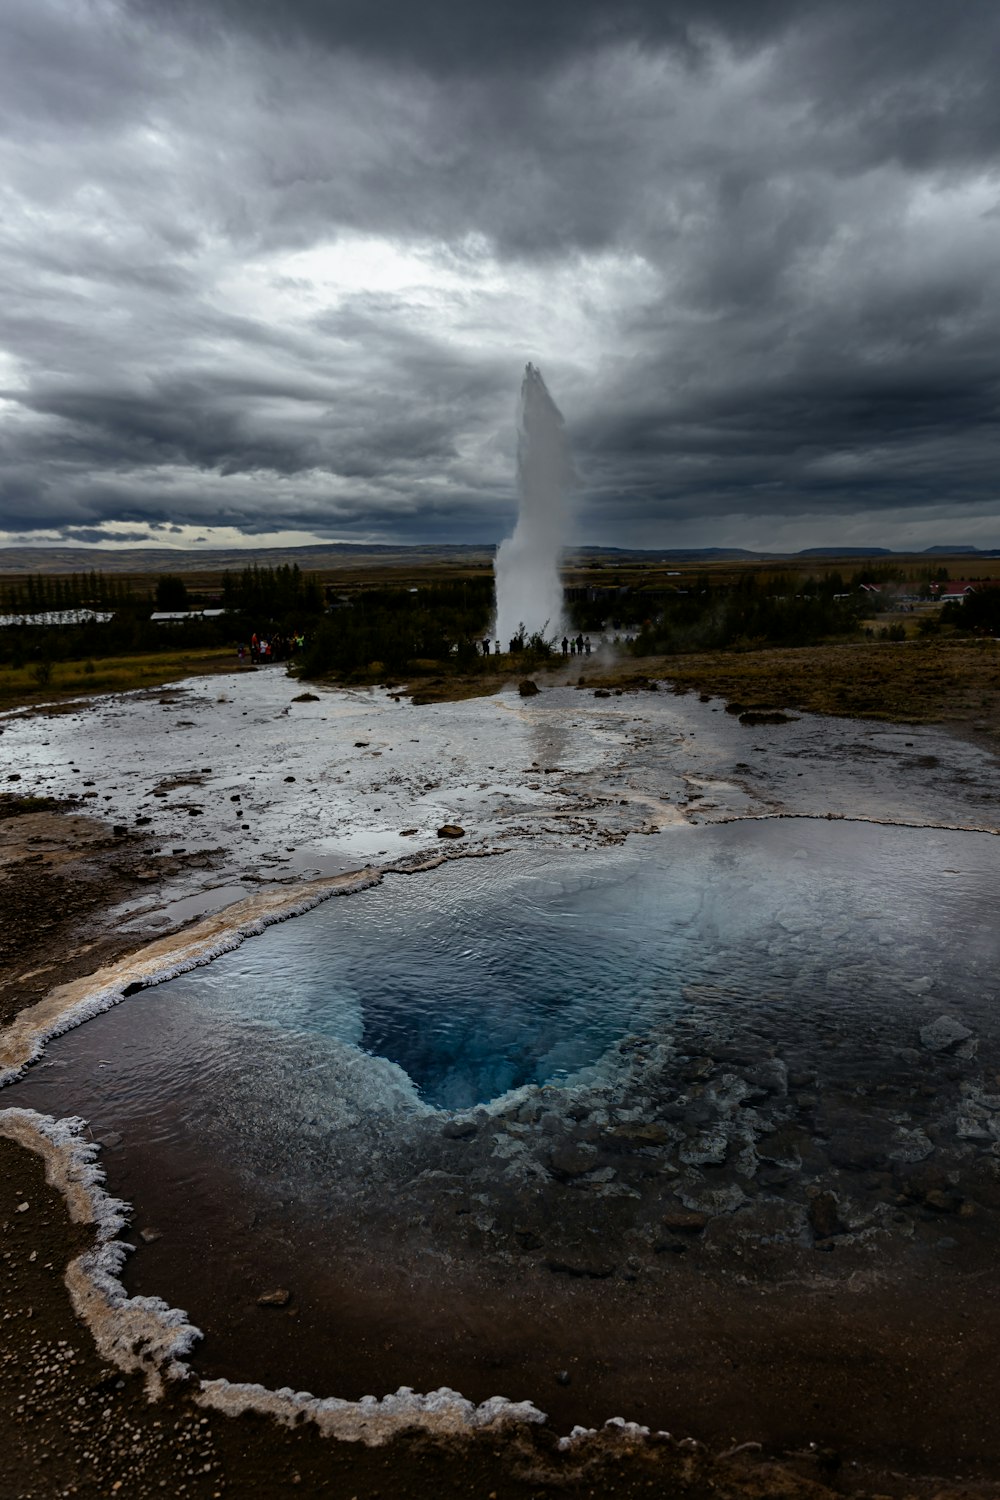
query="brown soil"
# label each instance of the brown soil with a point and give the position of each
(61, 872)
(72, 1425)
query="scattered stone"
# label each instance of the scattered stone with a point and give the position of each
(306, 698)
(278, 1298)
(289, 778)
(150, 1236)
(450, 831)
(407, 833)
(944, 1035)
(601, 693)
(527, 688)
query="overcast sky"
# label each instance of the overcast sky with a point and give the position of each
(272, 270)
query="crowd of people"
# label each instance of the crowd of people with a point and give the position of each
(571, 645)
(276, 647)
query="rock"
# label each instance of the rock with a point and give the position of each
(911, 1146)
(278, 1298)
(572, 1161)
(706, 1149)
(824, 1216)
(684, 1221)
(306, 698)
(601, 693)
(771, 1075)
(707, 1200)
(407, 833)
(753, 716)
(639, 1135)
(459, 1130)
(942, 1201)
(119, 830)
(450, 831)
(972, 1128)
(563, 1377)
(150, 1236)
(581, 1265)
(289, 778)
(527, 688)
(944, 1035)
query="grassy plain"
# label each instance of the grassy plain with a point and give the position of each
(19, 686)
(941, 680)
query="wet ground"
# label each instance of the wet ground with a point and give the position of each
(765, 1210)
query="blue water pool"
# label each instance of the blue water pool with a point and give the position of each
(487, 974)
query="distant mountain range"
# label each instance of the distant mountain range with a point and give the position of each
(24, 560)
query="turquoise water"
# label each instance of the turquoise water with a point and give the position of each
(488, 974)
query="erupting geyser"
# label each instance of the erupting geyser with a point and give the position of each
(529, 588)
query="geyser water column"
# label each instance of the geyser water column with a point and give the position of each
(528, 585)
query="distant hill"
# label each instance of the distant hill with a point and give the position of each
(331, 555)
(844, 552)
(231, 559)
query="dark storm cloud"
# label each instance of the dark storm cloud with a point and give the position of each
(450, 36)
(278, 267)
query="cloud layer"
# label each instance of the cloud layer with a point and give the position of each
(276, 270)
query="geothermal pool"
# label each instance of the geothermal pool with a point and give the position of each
(449, 989)
(481, 1119)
